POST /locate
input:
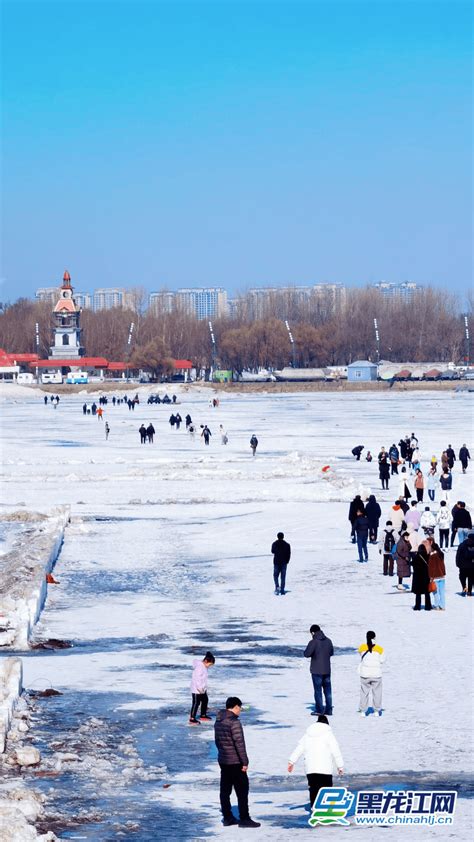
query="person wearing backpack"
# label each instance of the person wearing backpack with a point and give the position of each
(387, 551)
(370, 671)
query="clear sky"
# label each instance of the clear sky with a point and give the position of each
(236, 143)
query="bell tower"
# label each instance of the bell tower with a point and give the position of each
(66, 328)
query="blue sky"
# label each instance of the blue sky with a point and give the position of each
(235, 143)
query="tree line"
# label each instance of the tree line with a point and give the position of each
(430, 327)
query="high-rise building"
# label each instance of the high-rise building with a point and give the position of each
(108, 297)
(280, 301)
(83, 300)
(204, 302)
(162, 302)
(404, 291)
(49, 294)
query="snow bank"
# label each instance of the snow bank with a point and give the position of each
(23, 576)
(10, 689)
(19, 807)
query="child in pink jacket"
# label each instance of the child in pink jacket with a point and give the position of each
(199, 688)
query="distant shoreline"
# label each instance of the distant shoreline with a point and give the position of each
(343, 386)
(248, 388)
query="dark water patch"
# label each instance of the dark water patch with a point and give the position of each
(67, 443)
(105, 644)
(160, 581)
(113, 788)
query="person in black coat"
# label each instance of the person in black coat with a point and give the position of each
(320, 650)
(281, 555)
(356, 451)
(384, 472)
(233, 761)
(465, 564)
(373, 512)
(150, 431)
(464, 457)
(355, 506)
(421, 579)
(361, 529)
(143, 434)
(451, 456)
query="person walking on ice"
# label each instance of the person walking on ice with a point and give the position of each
(199, 688)
(143, 434)
(370, 671)
(388, 549)
(281, 555)
(206, 434)
(320, 650)
(234, 762)
(107, 430)
(321, 754)
(223, 434)
(254, 444)
(464, 457)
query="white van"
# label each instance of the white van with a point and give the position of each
(51, 377)
(25, 378)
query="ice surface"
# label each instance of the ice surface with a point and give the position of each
(168, 554)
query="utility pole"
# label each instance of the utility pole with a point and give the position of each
(213, 349)
(468, 344)
(129, 345)
(292, 342)
(37, 345)
(377, 340)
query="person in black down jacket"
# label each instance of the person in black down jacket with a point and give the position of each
(465, 564)
(356, 505)
(421, 579)
(233, 760)
(281, 555)
(373, 512)
(361, 529)
(320, 650)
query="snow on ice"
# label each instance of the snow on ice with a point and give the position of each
(168, 554)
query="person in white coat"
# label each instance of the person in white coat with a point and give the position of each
(321, 754)
(428, 521)
(404, 490)
(370, 671)
(443, 519)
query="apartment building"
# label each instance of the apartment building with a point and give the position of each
(404, 291)
(201, 302)
(49, 294)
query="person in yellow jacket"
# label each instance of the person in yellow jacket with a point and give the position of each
(370, 671)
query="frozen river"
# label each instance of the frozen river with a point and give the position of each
(168, 555)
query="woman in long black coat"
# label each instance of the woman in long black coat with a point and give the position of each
(421, 579)
(384, 472)
(373, 512)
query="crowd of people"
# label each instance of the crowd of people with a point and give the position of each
(412, 546)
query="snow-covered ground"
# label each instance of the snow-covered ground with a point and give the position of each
(168, 554)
